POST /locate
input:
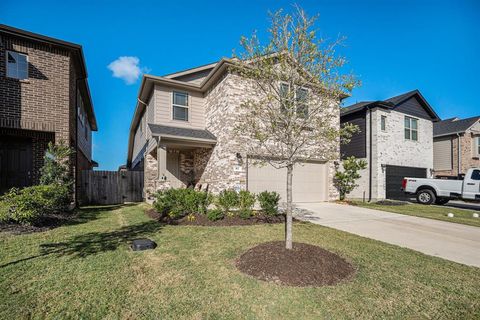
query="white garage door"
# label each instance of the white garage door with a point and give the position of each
(309, 181)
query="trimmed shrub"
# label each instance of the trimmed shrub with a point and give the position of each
(204, 199)
(177, 203)
(246, 201)
(215, 214)
(227, 200)
(269, 202)
(28, 205)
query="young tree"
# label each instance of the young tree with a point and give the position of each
(56, 167)
(346, 180)
(297, 86)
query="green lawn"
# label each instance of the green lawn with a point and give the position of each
(462, 216)
(86, 270)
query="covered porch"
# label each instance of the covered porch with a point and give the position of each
(177, 157)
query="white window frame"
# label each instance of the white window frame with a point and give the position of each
(383, 123)
(7, 68)
(294, 96)
(410, 129)
(180, 106)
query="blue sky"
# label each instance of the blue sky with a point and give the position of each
(393, 46)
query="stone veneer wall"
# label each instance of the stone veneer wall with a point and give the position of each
(224, 170)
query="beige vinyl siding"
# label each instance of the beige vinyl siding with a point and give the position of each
(442, 154)
(163, 109)
(139, 139)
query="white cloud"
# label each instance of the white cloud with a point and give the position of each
(126, 68)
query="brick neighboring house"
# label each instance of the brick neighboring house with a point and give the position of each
(448, 135)
(182, 134)
(44, 96)
(395, 138)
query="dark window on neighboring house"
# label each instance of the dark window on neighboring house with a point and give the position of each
(383, 123)
(180, 106)
(476, 175)
(17, 65)
(411, 129)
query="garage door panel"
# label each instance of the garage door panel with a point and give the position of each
(393, 180)
(309, 181)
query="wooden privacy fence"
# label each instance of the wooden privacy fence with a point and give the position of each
(111, 187)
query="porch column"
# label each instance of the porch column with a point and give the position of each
(162, 161)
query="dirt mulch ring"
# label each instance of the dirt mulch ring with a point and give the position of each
(44, 224)
(202, 220)
(303, 266)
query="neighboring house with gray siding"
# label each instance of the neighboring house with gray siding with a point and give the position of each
(182, 134)
(396, 140)
(456, 146)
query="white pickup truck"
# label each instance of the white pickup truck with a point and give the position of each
(440, 191)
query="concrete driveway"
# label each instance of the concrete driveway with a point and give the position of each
(451, 241)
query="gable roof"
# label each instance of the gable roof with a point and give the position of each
(78, 58)
(391, 103)
(453, 126)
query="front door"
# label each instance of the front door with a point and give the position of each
(472, 186)
(16, 163)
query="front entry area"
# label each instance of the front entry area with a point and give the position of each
(16, 162)
(310, 181)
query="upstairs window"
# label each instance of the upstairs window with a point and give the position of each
(17, 65)
(301, 95)
(301, 100)
(284, 92)
(180, 106)
(383, 123)
(411, 129)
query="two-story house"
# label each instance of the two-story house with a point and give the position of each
(456, 146)
(395, 137)
(44, 96)
(182, 134)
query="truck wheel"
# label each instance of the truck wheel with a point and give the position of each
(426, 196)
(442, 201)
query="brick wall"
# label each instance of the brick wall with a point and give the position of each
(42, 101)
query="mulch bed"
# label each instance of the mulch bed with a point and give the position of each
(202, 220)
(44, 224)
(303, 266)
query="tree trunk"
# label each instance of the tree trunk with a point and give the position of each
(288, 220)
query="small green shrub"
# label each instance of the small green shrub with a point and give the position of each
(215, 214)
(28, 205)
(180, 202)
(246, 201)
(227, 200)
(269, 202)
(204, 200)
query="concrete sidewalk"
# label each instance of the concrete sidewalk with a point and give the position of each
(452, 241)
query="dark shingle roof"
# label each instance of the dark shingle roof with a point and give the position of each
(402, 97)
(452, 126)
(391, 103)
(181, 132)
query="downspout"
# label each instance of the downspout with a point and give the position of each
(76, 143)
(370, 178)
(459, 155)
